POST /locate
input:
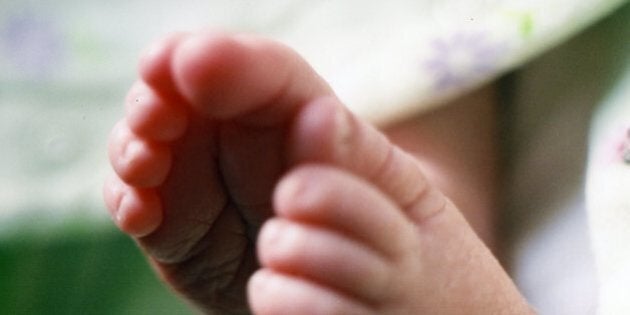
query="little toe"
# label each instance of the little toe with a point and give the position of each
(153, 117)
(138, 162)
(136, 212)
(272, 293)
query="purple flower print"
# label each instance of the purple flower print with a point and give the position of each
(462, 57)
(32, 43)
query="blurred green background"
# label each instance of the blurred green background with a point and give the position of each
(80, 272)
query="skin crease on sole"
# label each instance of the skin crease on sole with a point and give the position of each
(254, 138)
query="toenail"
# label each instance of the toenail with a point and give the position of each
(154, 50)
(342, 131)
(141, 94)
(272, 232)
(138, 99)
(122, 206)
(150, 116)
(288, 190)
(259, 281)
(152, 53)
(132, 150)
(118, 197)
(342, 125)
(113, 194)
(128, 220)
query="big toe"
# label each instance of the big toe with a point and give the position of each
(228, 76)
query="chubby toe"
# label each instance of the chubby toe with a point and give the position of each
(138, 162)
(155, 64)
(226, 77)
(325, 257)
(272, 293)
(136, 212)
(153, 117)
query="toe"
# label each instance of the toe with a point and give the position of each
(338, 200)
(228, 76)
(325, 132)
(136, 212)
(272, 293)
(155, 64)
(151, 116)
(138, 162)
(323, 256)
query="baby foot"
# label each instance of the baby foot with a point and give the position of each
(198, 154)
(213, 125)
(359, 230)
(339, 245)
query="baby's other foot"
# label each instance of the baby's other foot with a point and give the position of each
(198, 153)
